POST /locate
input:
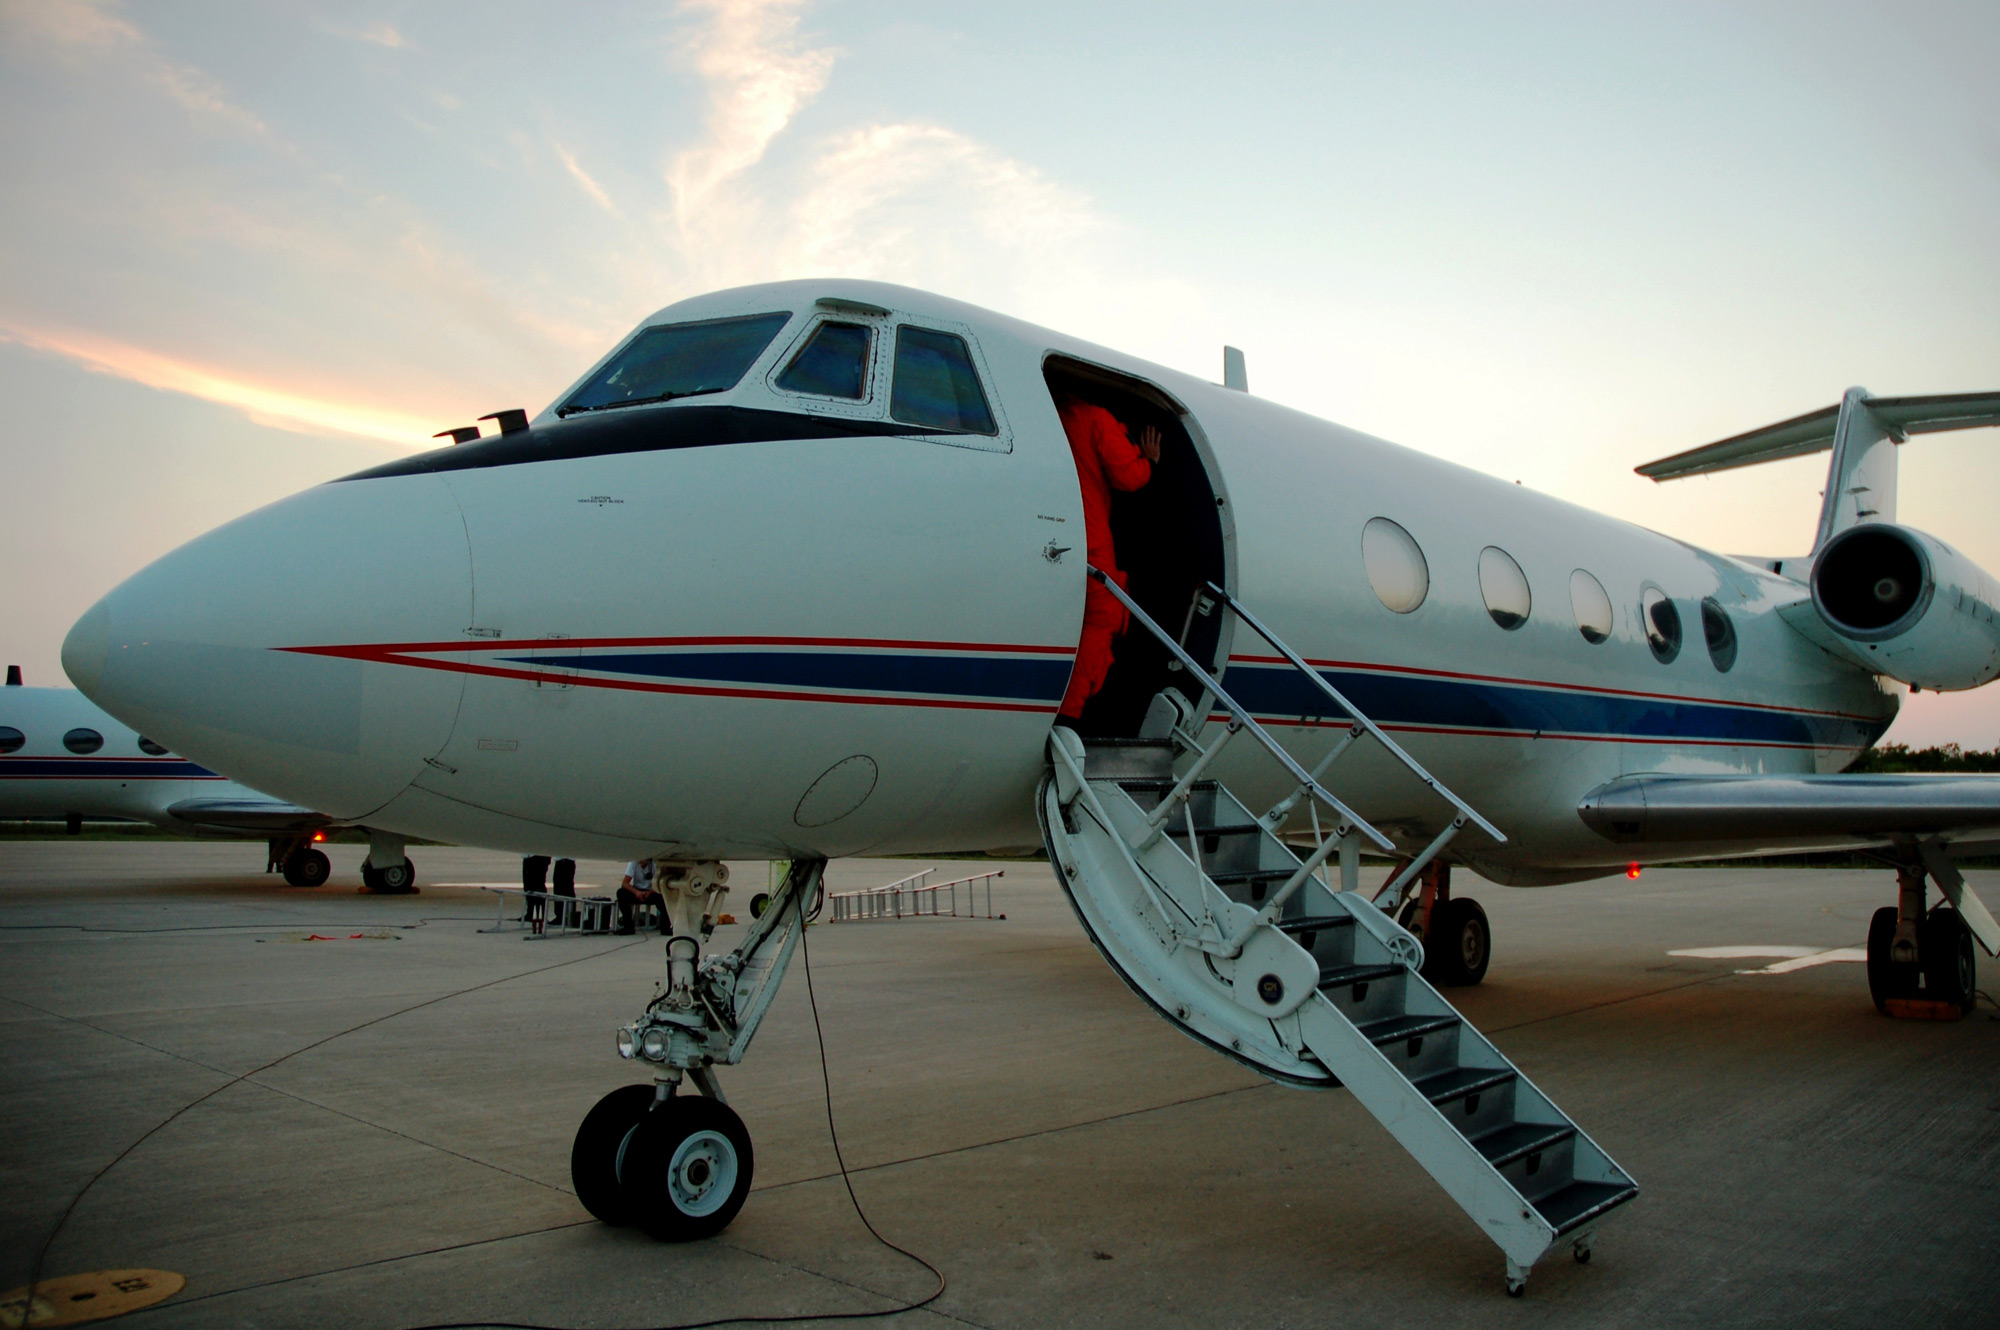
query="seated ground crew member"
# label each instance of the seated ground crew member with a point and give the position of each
(1106, 459)
(637, 890)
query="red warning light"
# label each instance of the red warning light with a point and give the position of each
(1631, 870)
(321, 835)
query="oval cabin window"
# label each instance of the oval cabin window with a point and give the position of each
(151, 749)
(1504, 586)
(83, 741)
(11, 739)
(1592, 605)
(1719, 633)
(1663, 624)
(1395, 564)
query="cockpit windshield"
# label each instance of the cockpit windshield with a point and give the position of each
(678, 360)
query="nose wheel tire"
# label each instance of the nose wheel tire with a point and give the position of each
(601, 1144)
(687, 1169)
(760, 903)
(307, 868)
(1459, 944)
(395, 879)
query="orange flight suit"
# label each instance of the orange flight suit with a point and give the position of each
(1106, 459)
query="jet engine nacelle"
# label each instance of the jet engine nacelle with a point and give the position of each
(1910, 606)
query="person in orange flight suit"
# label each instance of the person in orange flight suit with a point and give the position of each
(1106, 459)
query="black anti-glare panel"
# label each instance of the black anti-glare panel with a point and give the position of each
(637, 429)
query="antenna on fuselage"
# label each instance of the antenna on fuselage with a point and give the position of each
(1234, 375)
(13, 676)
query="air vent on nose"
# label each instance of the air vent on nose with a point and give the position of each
(511, 421)
(458, 433)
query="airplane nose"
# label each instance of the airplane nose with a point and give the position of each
(219, 650)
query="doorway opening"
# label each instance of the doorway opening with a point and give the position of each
(1168, 537)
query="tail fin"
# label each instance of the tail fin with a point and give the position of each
(1862, 431)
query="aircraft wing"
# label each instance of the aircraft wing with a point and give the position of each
(258, 815)
(1801, 810)
(1813, 432)
(1938, 818)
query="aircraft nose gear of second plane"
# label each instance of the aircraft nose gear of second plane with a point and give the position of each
(679, 1165)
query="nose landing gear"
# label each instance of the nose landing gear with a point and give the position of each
(1458, 942)
(679, 1165)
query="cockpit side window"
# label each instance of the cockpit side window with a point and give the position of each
(678, 360)
(833, 362)
(936, 386)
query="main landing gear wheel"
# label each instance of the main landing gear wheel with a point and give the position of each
(1889, 978)
(600, 1147)
(1950, 970)
(687, 1169)
(307, 868)
(1458, 945)
(396, 879)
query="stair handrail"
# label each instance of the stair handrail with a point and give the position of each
(1351, 819)
(1356, 715)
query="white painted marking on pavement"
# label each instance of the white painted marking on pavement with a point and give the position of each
(1789, 958)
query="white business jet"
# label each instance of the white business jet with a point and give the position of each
(798, 571)
(62, 757)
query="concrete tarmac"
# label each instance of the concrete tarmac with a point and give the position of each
(357, 1110)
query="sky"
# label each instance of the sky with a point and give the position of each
(245, 248)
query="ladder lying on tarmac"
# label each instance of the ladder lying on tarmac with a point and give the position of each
(1205, 912)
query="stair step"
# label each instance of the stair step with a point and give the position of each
(1137, 784)
(1580, 1202)
(1504, 1146)
(1405, 1027)
(1315, 923)
(1357, 974)
(1178, 828)
(1120, 759)
(1459, 1082)
(1247, 875)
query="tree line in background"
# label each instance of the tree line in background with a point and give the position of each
(1947, 757)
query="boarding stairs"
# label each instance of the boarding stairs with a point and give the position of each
(1267, 957)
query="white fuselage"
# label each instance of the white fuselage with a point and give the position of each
(851, 641)
(74, 760)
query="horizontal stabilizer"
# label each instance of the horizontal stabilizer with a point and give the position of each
(1767, 810)
(1814, 432)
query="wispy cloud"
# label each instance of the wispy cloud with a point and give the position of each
(265, 404)
(758, 77)
(79, 27)
(313, 298)
(583, 179)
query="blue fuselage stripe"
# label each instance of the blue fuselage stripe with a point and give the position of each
(100, 768)
(1035, 679)
(1273, 691)
(1395, 699)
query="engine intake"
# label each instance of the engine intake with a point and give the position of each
(1909, 606)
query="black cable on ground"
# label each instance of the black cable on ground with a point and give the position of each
(41, 1256)
(833, 1134)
